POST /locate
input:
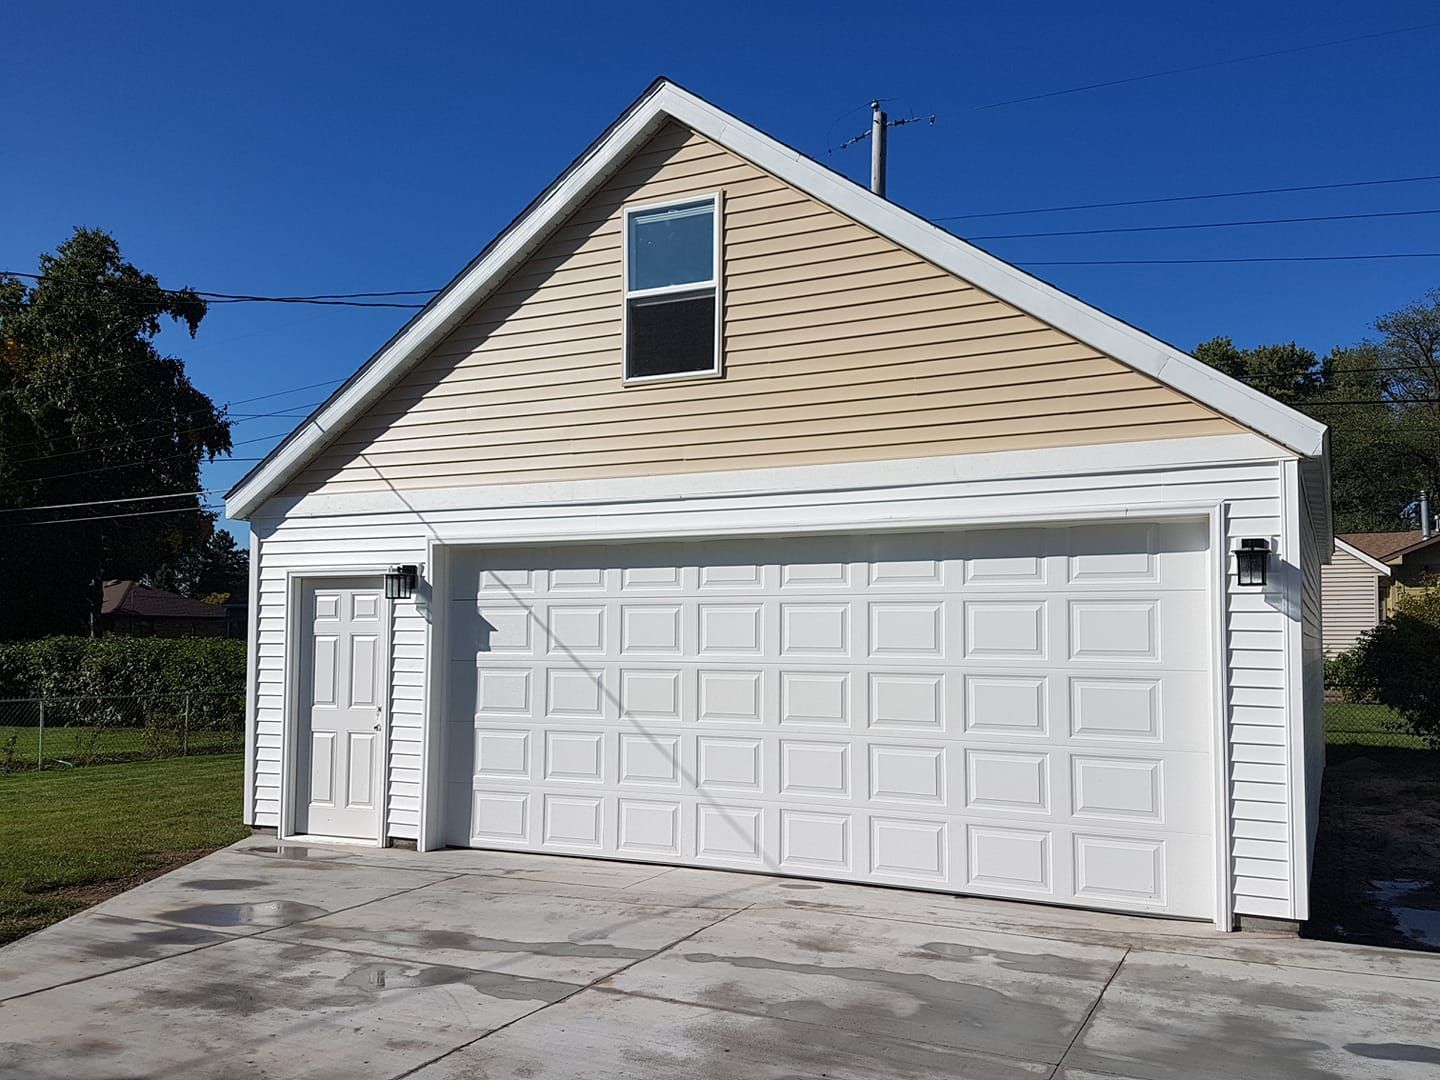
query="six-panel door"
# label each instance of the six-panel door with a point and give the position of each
(1012, 712)
(338, 743)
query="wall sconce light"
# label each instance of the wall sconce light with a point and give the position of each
(400, 582)
(1252, 561)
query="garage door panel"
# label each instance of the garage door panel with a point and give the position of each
(1010, 712)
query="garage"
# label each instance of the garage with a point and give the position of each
(1021, 712)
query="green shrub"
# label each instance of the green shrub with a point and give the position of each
(1343, 671)
(73, 666)
(1398, 663)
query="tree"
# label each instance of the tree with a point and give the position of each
(217, 571)
(90, 410)
(1395, 664)
(1381, 400)
(1288, 373)
(1372, 474)
(1409, 351)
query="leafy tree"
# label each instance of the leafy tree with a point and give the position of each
(1381, 400)
(1395, 664)
(214, 572)
(91, 410)
(1288, 373)
(1372, 475)
(1410, 353)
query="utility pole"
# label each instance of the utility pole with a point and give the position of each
(879, 138)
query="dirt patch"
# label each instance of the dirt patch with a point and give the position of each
(87, 895)
(1379, 826)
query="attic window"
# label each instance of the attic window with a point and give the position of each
(672, 292)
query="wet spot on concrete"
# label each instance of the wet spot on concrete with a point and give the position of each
(461, 941)
(222, 884)
(150, 944)
(291, 852)
(379, 977)
(1429, 1055)
(1029, 963)
(904, 1005)
(820, 943)
(797, 885)
(263, 912)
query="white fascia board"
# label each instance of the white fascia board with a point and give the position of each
(1368, 560)
(1103, 332)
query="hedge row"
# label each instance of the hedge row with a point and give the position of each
(69, 666)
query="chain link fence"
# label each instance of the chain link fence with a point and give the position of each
(66, 732)
(1350, 720)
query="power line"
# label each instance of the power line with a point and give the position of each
(1192, 198)
(1209, 65)
(282, 393)
(107, 502)
(1255, 259)
(359, 299)
(112, 517)
(147, 460)
(243, 419)
(1206, 225)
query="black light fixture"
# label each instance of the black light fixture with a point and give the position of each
(1252, 561)
(400, 582)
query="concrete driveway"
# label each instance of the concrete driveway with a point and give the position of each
(285, 961)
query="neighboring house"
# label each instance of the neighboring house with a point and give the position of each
(1351, 589)
(762, 524)
(127, 607)
(1369, 573)
(1413, 558)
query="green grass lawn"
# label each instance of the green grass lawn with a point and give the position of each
(1351, 724)
(23, 747)
(71, 838)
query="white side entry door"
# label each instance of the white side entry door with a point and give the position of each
(341, 709)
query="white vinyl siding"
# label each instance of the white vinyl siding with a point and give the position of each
(332, 531)
(1351, 600)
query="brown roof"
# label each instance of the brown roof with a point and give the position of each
(1387, 545)
(131, 598)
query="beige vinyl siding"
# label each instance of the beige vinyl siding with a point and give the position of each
(839, 346)
(1350, 591)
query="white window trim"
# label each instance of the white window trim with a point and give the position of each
(716, 282)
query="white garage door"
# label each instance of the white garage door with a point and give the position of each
(1010, 712)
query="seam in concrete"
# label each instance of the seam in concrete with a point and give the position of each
(228, 939)
(578, 990)
(1090, 1014)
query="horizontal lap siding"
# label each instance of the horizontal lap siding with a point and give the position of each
(1255, 622)
(1260, 754)
(1351, 598)
(839, 346)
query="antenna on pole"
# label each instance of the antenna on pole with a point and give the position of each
(879, 136)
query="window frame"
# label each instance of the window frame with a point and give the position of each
(715, 285)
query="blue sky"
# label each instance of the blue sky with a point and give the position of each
(323, 148)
